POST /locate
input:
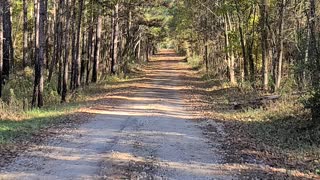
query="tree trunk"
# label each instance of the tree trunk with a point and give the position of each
(36, 54)
(96, 59)
(229, 51)
(25, 33)
(40, 24)
(73, 44)
(82, 56)
(264, 42)
(206, 53)
(46, 33)
(147, 50)
(42, 47)
(56, 39)
(60, 45)
(66, 55)
(8, 51)
(232, 58)
(242, 42)
(90, 45)
(78, 52)
(114, 57)
(314, 58)
(139, 48)
(250, 49)
(280, 46)
(206, 37)
(1, 45)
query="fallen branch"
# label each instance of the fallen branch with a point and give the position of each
(256, 103)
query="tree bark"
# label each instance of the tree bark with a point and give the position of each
(61, 45)
(56, 39)
(314, 58)
(8, 51)
(242, 42)
(114, 57)
(73, 44)
(90, 47)
(1, 45)
(96, 59)
(25, 33)
(66, 55)
(206, 37)
(36, 54)
(264, 42)
(78, 52)
(82, 56)
(41, 9)
(278, 74)
(229, 50)
(250, 49)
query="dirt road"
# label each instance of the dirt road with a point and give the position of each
(150, 135)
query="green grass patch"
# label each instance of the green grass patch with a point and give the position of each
(33, 121)
(18, 124)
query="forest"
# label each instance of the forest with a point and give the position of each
(267, 45)
(63, 45)
(268, 51)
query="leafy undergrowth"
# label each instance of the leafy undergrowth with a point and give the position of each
(195, 62)
(278, 133)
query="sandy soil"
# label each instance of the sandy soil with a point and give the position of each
(150, 135)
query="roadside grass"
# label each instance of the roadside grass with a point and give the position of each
(17, 124)
(279, 133)
(33, 121)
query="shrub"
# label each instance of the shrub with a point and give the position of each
(195, 62)
(313, 103)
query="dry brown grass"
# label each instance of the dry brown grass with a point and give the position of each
(276, 135)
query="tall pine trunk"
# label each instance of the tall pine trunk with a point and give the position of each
(60, 45)
(264, 42)
(229, 50)
(96, 59)
(25, 33)
(8, 51)
(73, 43)
(114, 61)
(55, 39)
(315, 61)
(78, 50)
(40, 24)
(65, 63)
(1, 45)
(278, 75)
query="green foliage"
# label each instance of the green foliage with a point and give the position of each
(167, 44)
(195, 62)
(313, 103)
(288, 86)
(20, 87)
